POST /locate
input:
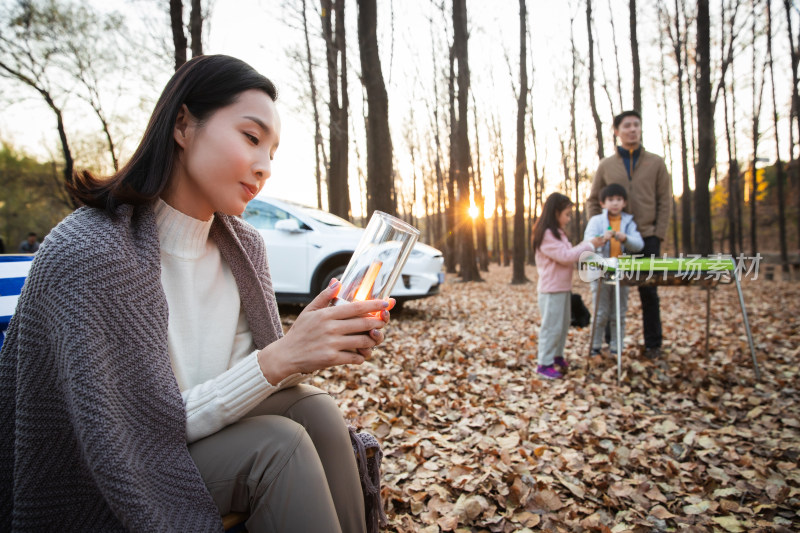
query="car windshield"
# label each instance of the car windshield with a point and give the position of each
(263, 215)
(326, 218)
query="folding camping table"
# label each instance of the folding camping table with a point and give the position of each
(13, 271)
(705, 272)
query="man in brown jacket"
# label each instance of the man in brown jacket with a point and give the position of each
(644, 175)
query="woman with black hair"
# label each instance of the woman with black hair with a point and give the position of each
(145, 381)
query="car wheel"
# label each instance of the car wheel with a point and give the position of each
(334, 273)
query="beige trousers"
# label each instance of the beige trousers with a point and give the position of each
(289, 463)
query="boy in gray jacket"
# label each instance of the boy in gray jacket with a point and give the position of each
(622, 238)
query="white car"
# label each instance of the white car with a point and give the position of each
(307, 247)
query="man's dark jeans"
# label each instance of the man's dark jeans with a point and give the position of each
(651, 313)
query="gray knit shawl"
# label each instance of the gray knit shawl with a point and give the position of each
(92, 424)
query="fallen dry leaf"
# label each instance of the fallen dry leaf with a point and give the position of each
(475, 441)
(728, 523)
(547, 500)
(660, 512)
(527, 519)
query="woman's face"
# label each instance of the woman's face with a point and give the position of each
(563, 217)
(224, 162)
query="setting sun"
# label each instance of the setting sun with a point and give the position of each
(473, 211)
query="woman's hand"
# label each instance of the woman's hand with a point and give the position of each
(621, 237)
(598, 241)
(324, 336)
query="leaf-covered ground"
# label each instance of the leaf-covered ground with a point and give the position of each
(474, 441)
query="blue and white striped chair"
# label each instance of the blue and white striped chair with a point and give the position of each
(13, 271)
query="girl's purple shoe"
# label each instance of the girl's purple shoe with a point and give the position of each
(549, 372)
(561, 363)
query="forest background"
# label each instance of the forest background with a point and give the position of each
(458, 117)
(461, 117)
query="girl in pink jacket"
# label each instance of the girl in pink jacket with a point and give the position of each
(555, 261)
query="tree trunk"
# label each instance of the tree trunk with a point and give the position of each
(480, 201)
(196, 28)
(318, 145)
(412, 212)
(504, 222)
(409, 208)
(343, 164)
(427, 206)
(521, 161)
(733, 165)
(756, 113)
(794, 115)
(576, 220)
(95, 103)
(500, 192)
(737, 174)
(438, 211)
(437, 226)
(497, 254)
(534, 193)
(89, 81)
(616, 58)
(598, 126)
(338, 186)
(69, 162)
(686, 194)
(537, 188)
(529, 225)
(781, 177)
(360, 163)
(664, 26)
(380, 182)
(733, 178)
(637, 86)
(451, 258)
(691, 86)
(438, 233)
(468, 266)
(178, 34)
(504, 219)
(480, 230)
(705, 134)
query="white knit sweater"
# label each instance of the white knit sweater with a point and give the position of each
(210, 344)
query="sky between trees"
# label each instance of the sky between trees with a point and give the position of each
(413, 34)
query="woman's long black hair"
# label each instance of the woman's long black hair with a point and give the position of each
(205, 84)
(554, 204)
